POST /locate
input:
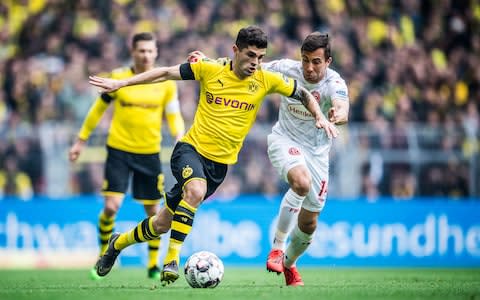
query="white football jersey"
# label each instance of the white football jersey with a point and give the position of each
(294, 120)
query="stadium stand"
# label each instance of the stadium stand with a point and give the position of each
(411, 68)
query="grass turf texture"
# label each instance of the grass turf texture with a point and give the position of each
(247, 283)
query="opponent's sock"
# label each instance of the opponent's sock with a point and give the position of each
(141, 233)
(299, 242)
(181, 226)
(105, 229)
(287, 216)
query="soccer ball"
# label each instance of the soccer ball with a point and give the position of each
(203, 270)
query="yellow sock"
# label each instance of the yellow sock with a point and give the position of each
(153, 247)
(181, 226)
(141, 233)
(105, 229)
(173, 252)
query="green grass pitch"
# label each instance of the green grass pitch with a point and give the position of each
(247, 283)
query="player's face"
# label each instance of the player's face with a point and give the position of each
(247, 60)
(314, 65)
(144, 55)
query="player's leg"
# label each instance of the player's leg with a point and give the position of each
(106, 219)
(146, 178)
(299, 180)
(302, 234)
(147, 187)
(153, 271)
(113, 190)
(193, 194)
(199, 178)
(287, 157)
(149, 229)
(106, 224)
(300, 238)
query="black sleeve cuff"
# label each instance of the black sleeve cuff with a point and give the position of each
(294, 88)
(106, 97)
(186, 72)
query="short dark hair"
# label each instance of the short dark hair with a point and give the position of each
(251, 36)
(142, 36)
(317, 40)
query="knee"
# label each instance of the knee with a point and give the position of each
(307, 225)
(301, 184)
(111, 208)
(195, 192)
(150, 210)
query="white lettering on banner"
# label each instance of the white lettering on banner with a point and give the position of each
(243, 238)
(223, 237)
(433, 237)
(24, 236)
(209, 232)
(447, 233)
(397, 235)
(422, 238)
(472, 241)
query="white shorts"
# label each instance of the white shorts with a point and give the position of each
(285, 154)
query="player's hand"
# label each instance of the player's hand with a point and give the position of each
(195, 56)
(333, 115)
(75, 150)
(329, 127)
(107, 85)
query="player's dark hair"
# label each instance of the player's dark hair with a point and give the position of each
(251, 36)
(316, 40)
(142, 36)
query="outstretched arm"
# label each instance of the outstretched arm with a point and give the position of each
(154, 75)
(308, 100)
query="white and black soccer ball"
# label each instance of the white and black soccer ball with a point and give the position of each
(203, 270)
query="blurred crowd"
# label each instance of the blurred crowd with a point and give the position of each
(411, 68)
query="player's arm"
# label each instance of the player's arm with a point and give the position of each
(157, 74)
(338, 114)
(173, 114)
(176, 125)
(308, 100)
(91, 121)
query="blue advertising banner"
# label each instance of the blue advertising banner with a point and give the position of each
(62, 233)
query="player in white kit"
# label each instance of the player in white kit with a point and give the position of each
(300, 152)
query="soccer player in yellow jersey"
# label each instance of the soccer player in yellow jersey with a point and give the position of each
(133, 142)
(230, 97)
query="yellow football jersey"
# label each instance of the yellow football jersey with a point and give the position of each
(137, 116)
(228, 107)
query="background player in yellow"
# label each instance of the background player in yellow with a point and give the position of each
(133, 142)
(230, 97)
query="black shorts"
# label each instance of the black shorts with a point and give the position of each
(145, 170)
(187, 164)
